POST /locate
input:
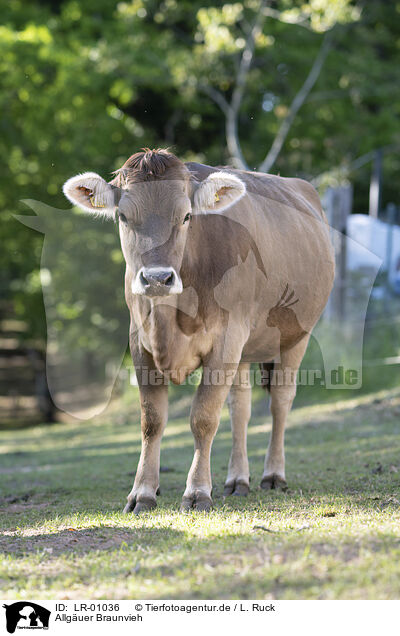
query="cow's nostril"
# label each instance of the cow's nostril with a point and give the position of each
(143, 279)
(169, 280)
(157, 280)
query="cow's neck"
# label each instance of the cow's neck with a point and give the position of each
(161, 332)
(169, 327)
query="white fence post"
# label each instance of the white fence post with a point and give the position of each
(337, 204)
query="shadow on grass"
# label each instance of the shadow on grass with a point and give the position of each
(86, 540)
(175, 564)
(347, 452)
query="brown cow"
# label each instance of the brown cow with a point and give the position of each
(209, 254)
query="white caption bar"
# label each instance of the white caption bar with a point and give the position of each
(127, 617)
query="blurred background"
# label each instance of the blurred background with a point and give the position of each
(296, 88)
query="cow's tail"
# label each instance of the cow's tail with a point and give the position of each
(267, 369)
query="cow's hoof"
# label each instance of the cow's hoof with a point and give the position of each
(273, 482)
(137, 506)
(201, 503)
(238, 488)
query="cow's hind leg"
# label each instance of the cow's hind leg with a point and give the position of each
(283, 391)
(154, 413)
(239, 401)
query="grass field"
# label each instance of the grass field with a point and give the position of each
(334, 534)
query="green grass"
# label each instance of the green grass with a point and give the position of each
(334, 534)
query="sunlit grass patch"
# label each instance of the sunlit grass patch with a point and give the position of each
(334, 534)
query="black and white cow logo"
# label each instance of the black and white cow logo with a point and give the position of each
(26, 615)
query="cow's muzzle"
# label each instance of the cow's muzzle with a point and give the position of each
(157, 281)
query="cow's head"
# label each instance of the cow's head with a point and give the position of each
(153, 198)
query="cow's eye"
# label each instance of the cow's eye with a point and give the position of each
(122, 217)
(187, 218)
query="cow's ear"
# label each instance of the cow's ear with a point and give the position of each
(218, 192)
(92, 193)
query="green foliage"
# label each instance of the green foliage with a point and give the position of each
(84, 85)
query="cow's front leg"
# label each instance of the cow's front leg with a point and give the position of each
(204, 422)
(204, 419)
(239, 401)
(154, 413)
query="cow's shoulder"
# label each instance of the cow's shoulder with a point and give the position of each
(292, 191)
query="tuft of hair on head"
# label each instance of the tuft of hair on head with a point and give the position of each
(149, 165)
